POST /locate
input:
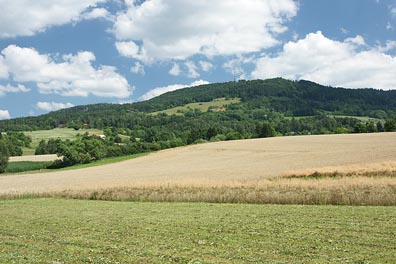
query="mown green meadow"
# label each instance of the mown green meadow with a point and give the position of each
(218, 104)
(23, 166)
(75, 231)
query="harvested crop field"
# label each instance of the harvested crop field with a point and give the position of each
(34, 158)
(218, 164)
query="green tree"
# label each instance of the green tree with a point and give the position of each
(390, 125)
(360, 128)
(42, 148)
(371, 127)
(265, 130)
(380, 127)
(4, 156)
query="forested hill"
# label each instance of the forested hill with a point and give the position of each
(294, 98)
(260, 100)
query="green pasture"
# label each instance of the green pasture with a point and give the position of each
(24, 166)
(75, 231)
(62, 133)
(217, 105)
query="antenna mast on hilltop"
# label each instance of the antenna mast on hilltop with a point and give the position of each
(234, 75)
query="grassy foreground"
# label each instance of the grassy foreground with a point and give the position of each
(74, 231)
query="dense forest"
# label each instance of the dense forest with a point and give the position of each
(260, 100)
(265, 108)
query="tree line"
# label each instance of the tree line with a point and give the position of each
(11, 144)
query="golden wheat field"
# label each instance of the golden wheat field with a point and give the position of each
(233, 163)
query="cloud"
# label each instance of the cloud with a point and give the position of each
(70, 75)
(204, 27)
(130, 49)
(392, 10)
(26, 17)
(389, 45)
(3, 69)
(358, 40)
(175, 70)
(344, 31)
(12, 89)
(330, 62)
(389, 26)
(4, 114)
(236, 66)
(52, 106)
(192, 69)
(161, 90)
(138, 68)
(206, 65)
(97, 13)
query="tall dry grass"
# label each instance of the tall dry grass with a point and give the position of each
(378, 169)
(340, 190)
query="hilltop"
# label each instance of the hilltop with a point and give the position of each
(258, 98)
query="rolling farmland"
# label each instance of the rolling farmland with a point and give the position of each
(232, 163)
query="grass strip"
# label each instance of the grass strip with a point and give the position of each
(22, 166)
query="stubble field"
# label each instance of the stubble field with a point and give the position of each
(349, 169)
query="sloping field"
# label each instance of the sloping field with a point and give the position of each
(216, 164)
(62, 133)
(49, 157)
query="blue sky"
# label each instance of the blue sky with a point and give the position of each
(60, 53)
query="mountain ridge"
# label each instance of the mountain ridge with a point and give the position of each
(288, 98)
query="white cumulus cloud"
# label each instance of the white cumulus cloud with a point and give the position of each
(138, 68)
(27, 17)
(235, 66)
(53, 106)
(3, 69)
(131, 50)
(178, 29)
(389, 45)
(97, 13)
(206, 65)
(13, 89)
(72, 75)
(192, 69)
(4, 114)
(326, 61)
(175, 70)
(358, 40)
(161, 90)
